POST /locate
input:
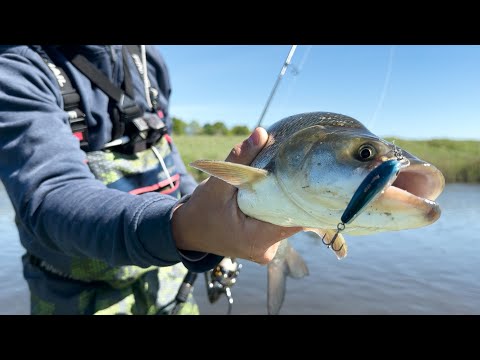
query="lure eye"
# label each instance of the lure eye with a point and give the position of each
(366, 152)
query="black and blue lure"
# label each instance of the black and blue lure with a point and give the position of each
(370, 188)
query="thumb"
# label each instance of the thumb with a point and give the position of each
(245, 152)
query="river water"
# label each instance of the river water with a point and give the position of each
(431, 270)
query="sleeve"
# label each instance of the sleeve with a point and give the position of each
(56, 197)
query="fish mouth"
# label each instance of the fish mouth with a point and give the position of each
(417, 187)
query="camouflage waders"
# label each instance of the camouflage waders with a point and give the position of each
(93, 287)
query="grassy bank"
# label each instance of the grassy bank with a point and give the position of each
(209, 147)
(459, 161)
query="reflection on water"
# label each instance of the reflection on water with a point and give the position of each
(432, 270)
(13, 288)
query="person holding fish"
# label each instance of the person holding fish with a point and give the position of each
(110, 218)
(99, 189)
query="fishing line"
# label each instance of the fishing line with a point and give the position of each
(386, 82)
(304, 58)
(295, 70)
(277, 82)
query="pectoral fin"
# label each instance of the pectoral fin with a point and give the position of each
(241, 176)
(339, 247)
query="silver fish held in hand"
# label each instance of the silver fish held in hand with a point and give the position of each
(306, 175)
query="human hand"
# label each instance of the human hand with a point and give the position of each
(211, 221)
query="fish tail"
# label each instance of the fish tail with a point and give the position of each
(287, 263)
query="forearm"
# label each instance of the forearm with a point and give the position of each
(120, 233)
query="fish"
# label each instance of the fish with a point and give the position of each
(306, 175)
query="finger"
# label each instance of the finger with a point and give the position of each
(245, 152)
(265, 239)
(266, 256)
(274, 233)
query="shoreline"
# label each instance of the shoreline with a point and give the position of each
(458, 160)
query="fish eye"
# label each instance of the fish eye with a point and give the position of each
(366, 152)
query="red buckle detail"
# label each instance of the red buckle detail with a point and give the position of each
(78, 135)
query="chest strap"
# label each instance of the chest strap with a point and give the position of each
(71, 100)
(127, 117)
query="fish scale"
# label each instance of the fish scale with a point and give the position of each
(284, 128)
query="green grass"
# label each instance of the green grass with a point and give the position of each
(206, 147)
(459, 161)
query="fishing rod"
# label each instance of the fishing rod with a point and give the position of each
(282, 72)
(220, 280)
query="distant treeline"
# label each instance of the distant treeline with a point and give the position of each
(180, 127)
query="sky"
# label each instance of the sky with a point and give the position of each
(405, 91)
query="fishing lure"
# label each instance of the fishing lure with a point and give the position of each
(370, 188)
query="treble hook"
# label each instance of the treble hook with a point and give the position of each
(340, 227)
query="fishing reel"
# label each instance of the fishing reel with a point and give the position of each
(221, 279)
